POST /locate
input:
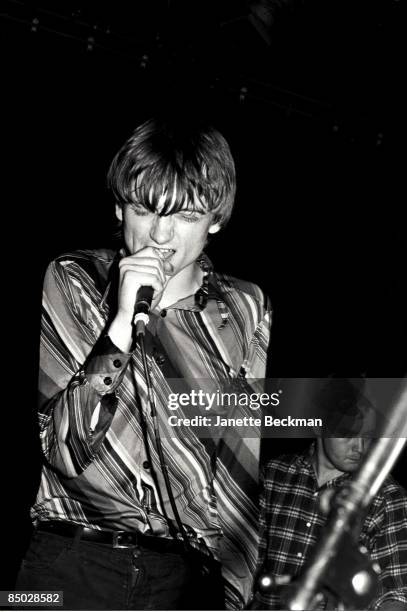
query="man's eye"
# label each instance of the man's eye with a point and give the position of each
(189, 217)
(140, 210)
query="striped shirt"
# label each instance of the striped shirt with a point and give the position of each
(93, 405)
(291, 522)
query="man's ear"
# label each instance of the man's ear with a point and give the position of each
(119, 211)
(213, 229)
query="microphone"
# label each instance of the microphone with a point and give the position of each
(142, 308)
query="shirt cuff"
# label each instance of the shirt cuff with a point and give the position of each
(105, 367)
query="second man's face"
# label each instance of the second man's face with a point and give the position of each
(345, 454)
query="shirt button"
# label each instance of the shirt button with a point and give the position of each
(107, 380)
(160, 359)
(316, 494)
(146, 465)
(117, 363)
(299, 554)
(308, 524)
(163, 313)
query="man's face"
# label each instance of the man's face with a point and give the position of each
(180, 237)
(345, 454)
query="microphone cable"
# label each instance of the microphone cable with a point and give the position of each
(164, 470)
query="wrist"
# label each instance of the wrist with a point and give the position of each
(120, 332)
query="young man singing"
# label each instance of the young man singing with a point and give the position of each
(109, 529)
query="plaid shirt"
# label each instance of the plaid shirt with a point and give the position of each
(291, 522)
(92, 395)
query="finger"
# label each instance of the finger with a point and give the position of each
(158, 253)
(134, 259)
(143, 266)
(133, 280)
(149, 251)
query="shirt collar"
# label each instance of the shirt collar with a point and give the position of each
(305, 459)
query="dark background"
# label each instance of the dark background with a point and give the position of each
(308, 94)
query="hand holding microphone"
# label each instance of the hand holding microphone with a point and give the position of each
(142, 282)
(145, 295)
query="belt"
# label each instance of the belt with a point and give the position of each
(116, 539)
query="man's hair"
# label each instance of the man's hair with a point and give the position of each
(184, 165)
(344, 406)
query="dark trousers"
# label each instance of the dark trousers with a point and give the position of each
(96, 576)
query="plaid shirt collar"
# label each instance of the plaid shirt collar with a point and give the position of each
(305, 460)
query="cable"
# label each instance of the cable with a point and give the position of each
(153, 413)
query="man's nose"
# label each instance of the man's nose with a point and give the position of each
(162, 229)
(358, 445)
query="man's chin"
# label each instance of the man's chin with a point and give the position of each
(169, 270)
(170, 273)
(352, 466)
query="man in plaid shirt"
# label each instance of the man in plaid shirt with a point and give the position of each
(292, 519)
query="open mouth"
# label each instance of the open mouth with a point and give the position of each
(165, 253)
